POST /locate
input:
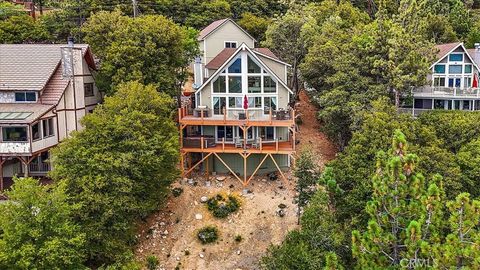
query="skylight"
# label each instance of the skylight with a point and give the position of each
(14, 115)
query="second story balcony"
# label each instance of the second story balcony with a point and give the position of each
(446, 92)
(251, 117)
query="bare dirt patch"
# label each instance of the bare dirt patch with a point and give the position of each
(309, 131)
(171, 233)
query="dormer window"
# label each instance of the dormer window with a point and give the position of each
(25, 96)
(231, 44)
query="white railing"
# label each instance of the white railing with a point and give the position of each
(14, 147)
(446, 91)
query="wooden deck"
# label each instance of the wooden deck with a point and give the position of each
(265, 148)
(187, 119)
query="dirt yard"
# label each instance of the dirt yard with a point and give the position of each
(170, 234)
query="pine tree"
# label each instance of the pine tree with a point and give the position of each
(306, 172)
(404, 215)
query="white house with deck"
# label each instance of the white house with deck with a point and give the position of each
(453, 82)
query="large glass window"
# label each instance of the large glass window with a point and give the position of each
(439, 82)
(235, 84)
(255, 102)
(439, 69)
(439, 104)
(468, 68)
(454, 82)
(218, 105)
(235, 102)
(36, 135)
(25, 96)
(14, 134)
(269, 85)
(253, 67)
(230, 44)
(455, 69)
(456, 57)
(219, 85)
(267, 133)
(48, 127)
(467, 82)
(225, 132)
(269, 102)
(254, 84)
(236, 67)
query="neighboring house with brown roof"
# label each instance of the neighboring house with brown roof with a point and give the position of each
(241, 121)
(453, 82)
(44, 92)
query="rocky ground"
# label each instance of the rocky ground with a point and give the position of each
(171, 234)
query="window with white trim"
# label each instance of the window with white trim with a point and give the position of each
(26, 96)
(231, 44)
(48, 127)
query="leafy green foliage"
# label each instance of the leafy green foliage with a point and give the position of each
(130, 50)
(221, 206)
(306, 172)
(254, 25)
(307, 248)
(207, 234)
(152, 262)
(119, 167)
(37, 228)
(17, 27)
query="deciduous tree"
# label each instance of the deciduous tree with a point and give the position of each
(119, 168)
(37, 228)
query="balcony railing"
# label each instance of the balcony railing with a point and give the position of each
(39, 167)
(446, 91)
(207, 143)
(254, 114)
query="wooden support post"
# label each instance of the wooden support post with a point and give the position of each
(201, 142)
(198, 163)
(224, 115)
(271, 115)
(256, 169)
(279, 170)
(206, 169)
(225, 164)
(244, 170)
(2, 161)
(180, 114)
(276, 145)
(260, 144)
(181, 135)
(223, 144)
(201, 115)
(182, 165)
(293, 136)
(245, 129)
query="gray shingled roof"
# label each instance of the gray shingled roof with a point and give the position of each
(29, 66)
(32, 111)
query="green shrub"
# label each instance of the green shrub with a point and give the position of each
(152, 262)
(238, 238)
(177, 191)
(208, 234)
(221, 206)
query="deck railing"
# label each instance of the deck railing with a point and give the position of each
(206, 142)
(254, 114)
(447, 91)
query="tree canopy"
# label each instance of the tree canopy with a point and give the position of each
(38, 230)
(131, 49)
(119, 168)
